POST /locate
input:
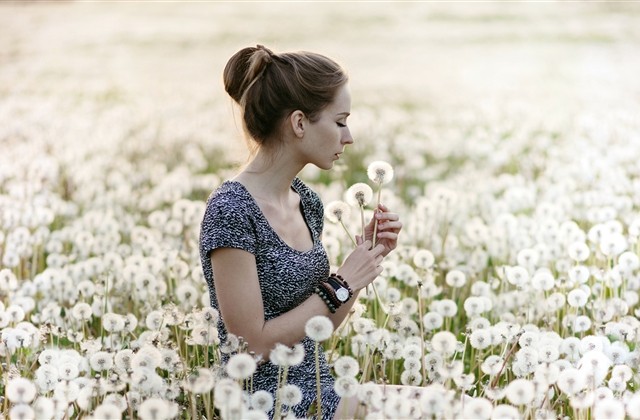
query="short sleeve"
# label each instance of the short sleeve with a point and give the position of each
(313, 205)
(227, 224)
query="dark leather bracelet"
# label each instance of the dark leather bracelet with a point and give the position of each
(341, 288)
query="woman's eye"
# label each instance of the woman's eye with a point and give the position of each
(341, 125)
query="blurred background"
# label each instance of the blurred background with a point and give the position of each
(163, 61)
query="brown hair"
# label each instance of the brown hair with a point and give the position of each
(269, 87)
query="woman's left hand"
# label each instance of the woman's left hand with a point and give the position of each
(389, 226)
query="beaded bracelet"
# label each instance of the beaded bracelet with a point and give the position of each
(328, 290)
(322, 291)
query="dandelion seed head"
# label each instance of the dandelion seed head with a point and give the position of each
(444, 342)
(21, 411)
(200, 381)
(423, 258)
(262, 400)
(359, 194)
(20, 390)
(290, 395)
(477, 408)
(319, 328)
(346, 386)
(241, 366)
(346, 366)
(337, 211)
(380, 172)
(520, 391)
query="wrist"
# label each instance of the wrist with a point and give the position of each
(334, 291)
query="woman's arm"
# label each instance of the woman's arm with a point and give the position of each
(240, 301)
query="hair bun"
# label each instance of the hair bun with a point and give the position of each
(244, 68)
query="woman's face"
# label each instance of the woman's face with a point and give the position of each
(325, 139)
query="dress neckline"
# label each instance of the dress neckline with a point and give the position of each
(303, 211)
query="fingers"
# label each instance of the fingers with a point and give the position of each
(359, 240)
(390, 225)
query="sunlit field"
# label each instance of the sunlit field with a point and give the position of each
(513, 131)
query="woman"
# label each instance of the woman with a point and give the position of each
(267, 271)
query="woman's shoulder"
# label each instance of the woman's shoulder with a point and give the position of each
(230, 196)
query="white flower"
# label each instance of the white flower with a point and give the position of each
(579, 251)
(227, 393)
(123, 359)
(319, 328)
(147, 357)
(517, 275)
(290, 395)
(411, 378)
(577, 298)
(66, 391)
(43, 407)
(154, 409)
(241, 366)
(200, 381)
(337, 211)
(423, 258)
(112, 322)
(282, 355)
(68, 370)
(477, 408)
(346, 386)
(346, 366)
(444, 342)
(359, 194)
(20, 390)
(432, 400)
(170, 360)
(492, 364)
(633, 406)
(456, 278)
(101, 361)
(480, 339)
(432, 320)
(204, 335)
(262, 400)
(370, 394)
(445, 307)
(609, 409)
(21, 411)
(107, 411)
(380, 172)
(117, 400)
(571, 381)
(595, 364)
(520, 391)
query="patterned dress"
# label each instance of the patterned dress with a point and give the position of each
(287, 277)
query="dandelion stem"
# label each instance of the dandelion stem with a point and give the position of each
(424, 372)
(375, 223)
(318, 389)
(353, 241)
(362, 221)
(512, 350)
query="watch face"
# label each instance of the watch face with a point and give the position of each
(342, 294)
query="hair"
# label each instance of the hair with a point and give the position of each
(269, 87)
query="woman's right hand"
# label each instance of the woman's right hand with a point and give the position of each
(362, 266)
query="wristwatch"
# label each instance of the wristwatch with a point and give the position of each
(342, 293)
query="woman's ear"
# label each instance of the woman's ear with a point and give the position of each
(298, 121)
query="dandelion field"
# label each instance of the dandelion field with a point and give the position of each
(514, 134)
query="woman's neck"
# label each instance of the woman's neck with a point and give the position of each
(270, 174)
